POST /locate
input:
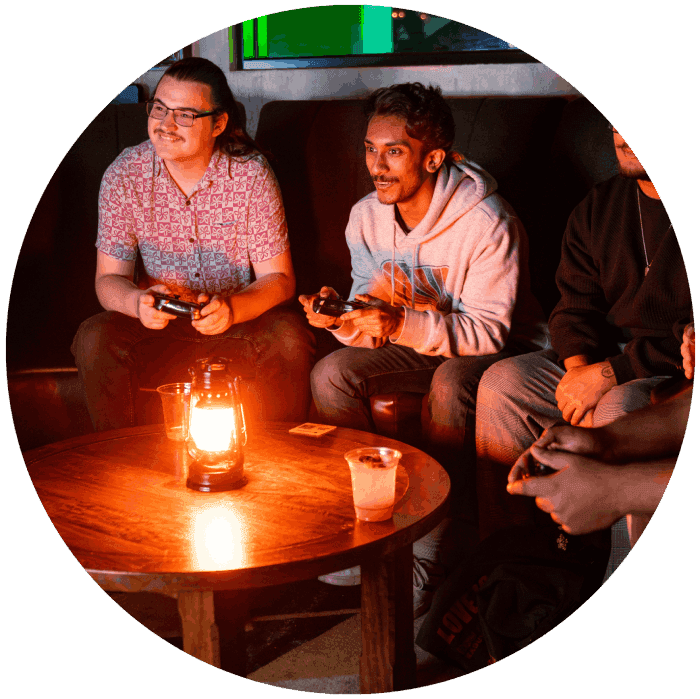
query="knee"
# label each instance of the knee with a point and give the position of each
(333, 372)
(619, 401)
(499, 381)
(447, 389)
(323, 372)
(290, 339)
(455, 382)
(92, 336)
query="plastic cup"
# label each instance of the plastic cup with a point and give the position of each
(373, 473)
(175, 398)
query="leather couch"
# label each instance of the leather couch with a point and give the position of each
(545, 153)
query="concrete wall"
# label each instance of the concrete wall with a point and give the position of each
(253, 88)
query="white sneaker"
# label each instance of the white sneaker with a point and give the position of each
(349, 576)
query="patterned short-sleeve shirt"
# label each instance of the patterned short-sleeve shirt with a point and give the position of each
(208, 241)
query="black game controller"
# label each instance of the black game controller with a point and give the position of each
(535, 469)
(176, 306)
(336, 307)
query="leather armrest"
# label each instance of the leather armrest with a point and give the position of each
(48, 405)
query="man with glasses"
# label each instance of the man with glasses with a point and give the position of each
(202, 207)
(616, 333)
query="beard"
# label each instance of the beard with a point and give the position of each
(628, 166)
(633, 172)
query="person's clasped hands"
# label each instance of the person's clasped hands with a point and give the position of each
(577, 496)
(580, 390)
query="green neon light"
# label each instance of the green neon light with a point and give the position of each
(262, 36)
(377, 35)
(248, 40)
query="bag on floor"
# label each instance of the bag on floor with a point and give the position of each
(519, 584)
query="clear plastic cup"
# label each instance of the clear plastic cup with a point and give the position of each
(373, 473)
(175, 398)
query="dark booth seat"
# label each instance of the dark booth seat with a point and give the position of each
(545, 154)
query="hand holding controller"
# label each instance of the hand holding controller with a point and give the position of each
(528, 467)
(535, 469)
(311, 301)
(336, 307)
(175, 305)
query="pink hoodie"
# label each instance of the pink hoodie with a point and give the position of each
(461, 273)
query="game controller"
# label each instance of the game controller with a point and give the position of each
(336, 307)
(535, 469)
(175, 305)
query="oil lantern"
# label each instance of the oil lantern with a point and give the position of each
(217, 432)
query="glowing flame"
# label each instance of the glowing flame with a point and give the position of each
(212, 428)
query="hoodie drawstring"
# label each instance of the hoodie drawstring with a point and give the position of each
(413, 276)
(393, 261)
(413, 271)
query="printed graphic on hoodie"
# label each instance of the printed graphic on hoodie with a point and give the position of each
(429, 284)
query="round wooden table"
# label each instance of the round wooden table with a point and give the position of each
(119, 501)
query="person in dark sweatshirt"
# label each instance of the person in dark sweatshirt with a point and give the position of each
(616, 333)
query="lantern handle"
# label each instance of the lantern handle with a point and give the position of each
(239, 407)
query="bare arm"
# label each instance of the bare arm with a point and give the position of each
(114, 285)
(274, 284)
(116, 291)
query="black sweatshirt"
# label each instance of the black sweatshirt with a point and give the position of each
(607, 299)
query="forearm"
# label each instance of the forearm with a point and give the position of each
(655, 431)
(453, 335)
(639, 487)
(118, 293)
(264, 293)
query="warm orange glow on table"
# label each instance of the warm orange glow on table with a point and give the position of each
(121, 504)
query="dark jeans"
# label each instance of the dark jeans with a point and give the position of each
(343, 382)
(277, 347)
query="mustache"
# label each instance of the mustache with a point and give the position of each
(167, 133)
(380, 178)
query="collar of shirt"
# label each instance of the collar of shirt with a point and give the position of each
(218, 167)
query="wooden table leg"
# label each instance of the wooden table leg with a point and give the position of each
(200, 634)
(388, 660)
(232, 613)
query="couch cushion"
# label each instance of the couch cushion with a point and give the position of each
(48, 405)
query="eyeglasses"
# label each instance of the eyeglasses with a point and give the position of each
(159, 111)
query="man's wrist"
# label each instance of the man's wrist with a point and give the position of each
(136, 303)
(576, 361)
(608, 373)
(400, 323)
(228, 300)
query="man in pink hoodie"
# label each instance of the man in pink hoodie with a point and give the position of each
(441, 259)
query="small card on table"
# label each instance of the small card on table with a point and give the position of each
(311, 429)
